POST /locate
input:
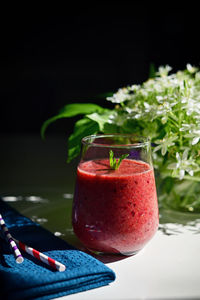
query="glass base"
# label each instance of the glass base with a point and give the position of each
(113, 253)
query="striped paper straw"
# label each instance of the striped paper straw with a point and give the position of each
(18, 257)
(42, 257)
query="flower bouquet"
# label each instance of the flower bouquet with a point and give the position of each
(167, 109)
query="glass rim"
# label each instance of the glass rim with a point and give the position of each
(144, 141)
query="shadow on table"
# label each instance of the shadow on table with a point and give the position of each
(108, 258)
(174, 222)
(105, 258)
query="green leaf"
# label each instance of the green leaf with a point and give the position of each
(100, 118)
(82, 128)
(152, 70)
(120, 159)
(111, 128)
(72, 110)
(111, 158)
(73, 152)
(114, 164)
(167, 184)
(104, 95)
(48, 122)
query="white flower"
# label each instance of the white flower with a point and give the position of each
(163, 144)
(147, 107)
(196, 140)
(193, 132)
(183, 164)
(159, 98)
(191, 106)
(119, 97)
(116, 119)
(134, 87)
(164, 70)
(195, 135)
(191, 69)
(187, 127)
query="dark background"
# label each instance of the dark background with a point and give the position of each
(53, 59)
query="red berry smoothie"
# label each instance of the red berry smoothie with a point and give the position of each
(115, 211)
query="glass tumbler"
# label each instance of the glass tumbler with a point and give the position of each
(115, 209)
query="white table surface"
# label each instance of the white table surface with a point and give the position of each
(167, 268)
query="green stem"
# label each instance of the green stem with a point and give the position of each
(181, 140)
(173, 121)
(192, 178)
(188, 193)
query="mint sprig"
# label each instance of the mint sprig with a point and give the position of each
(114, 163)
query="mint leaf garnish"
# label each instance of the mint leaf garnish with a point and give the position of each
(114, 164)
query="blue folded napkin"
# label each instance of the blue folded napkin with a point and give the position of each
(34, 280)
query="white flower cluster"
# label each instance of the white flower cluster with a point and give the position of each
(167, 108)
(122, 95)
(183, 164)
(193, 132)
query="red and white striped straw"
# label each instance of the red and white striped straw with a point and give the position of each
(42, 257)
(18, 257)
